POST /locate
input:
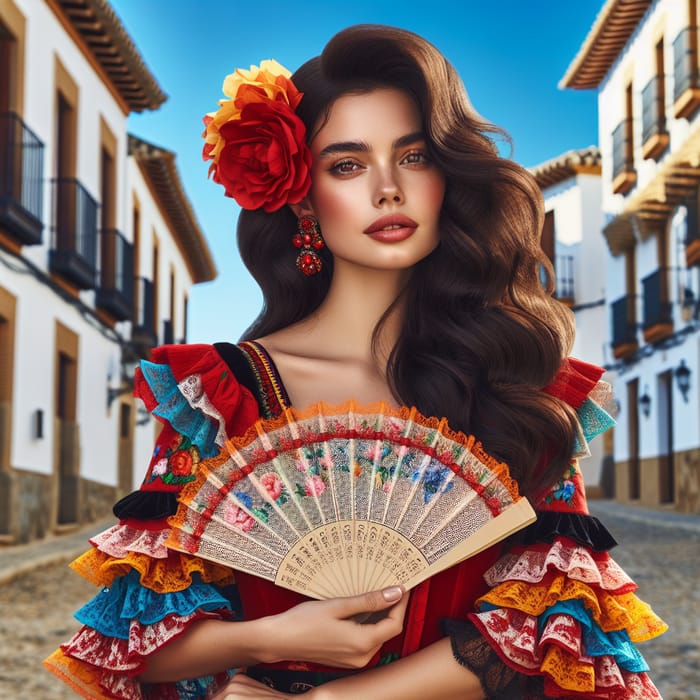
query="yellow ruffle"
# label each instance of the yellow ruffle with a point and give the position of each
(568, 672)
(168, 575)
(611, 612)
(82, 678)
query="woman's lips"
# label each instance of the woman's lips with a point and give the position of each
(391, 229)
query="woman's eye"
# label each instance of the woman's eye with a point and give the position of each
(345, 167)
(415, 158)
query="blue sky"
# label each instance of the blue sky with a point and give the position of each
(511, 56)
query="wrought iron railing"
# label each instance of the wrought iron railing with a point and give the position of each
(624, 320)
(623, 157)
(657, 308)
(143, 332)
(21, 179)
(653, 109)
(685, 62)
(74, 247)
(168, 332)
(116, 289)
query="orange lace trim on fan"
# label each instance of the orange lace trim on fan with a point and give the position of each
(289, 415)
(82, 678)
(160, 575)
(611, 612)
(568, 672)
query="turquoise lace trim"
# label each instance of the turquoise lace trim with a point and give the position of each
(174, 407)
(111, 611)
(594, 420)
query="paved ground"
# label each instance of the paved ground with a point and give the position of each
(661, 551)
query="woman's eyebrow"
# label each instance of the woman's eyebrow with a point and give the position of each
(364, 147)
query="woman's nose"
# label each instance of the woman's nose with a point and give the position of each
(388, 191)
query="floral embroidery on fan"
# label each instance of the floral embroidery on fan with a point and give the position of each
(433, 479)
(238, 517)
(315, 466)
(177, 464)
(563, 490)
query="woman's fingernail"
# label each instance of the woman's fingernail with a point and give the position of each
(391, 595)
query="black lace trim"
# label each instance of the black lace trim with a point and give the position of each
(587, 530)
(146, 505)
(471, 650)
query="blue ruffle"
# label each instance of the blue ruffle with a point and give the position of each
(596, 642)
(174, 407)
(594, 420)
(111, 611)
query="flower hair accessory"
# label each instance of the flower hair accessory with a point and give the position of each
(255, 140)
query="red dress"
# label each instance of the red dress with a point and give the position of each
(551, 614)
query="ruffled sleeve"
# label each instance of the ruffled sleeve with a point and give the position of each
(151, 594)
(561, 618)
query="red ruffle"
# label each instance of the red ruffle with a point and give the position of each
(227, 395)
(574, 381)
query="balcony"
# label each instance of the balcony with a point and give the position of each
(115, 293)
(21, 181)
(564, 274)
(168, 333)
(73, 253)
(624, 326)
(624, 175)
(655, 138)
(686, 75)
(658, 318)
(143, 330)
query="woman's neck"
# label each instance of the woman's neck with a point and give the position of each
(357, 299)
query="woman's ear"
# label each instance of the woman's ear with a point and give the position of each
(302, 208)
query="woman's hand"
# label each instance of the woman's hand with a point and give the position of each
(324, 631)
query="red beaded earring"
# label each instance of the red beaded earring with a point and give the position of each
(309, 240)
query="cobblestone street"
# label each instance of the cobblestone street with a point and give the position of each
(660, 551)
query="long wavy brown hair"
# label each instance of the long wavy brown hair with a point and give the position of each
(482, 334)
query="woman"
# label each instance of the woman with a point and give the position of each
(413, 278)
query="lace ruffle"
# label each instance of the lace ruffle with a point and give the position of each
(95, 683)
(128, 655)
(160, 575)
(207, 386)
(533, 564)
(568, 615)
(112, 610)
(611, 612)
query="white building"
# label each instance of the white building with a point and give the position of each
(98, 249)
(642, 57)
(571, 238)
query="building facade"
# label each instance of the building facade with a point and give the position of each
(99, 248)
(642, 57)
(571, 187)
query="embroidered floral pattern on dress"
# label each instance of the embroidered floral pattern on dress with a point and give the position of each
(563, 490)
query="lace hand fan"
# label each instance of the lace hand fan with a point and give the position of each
(337, 501)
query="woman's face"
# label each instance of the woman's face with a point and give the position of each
(375, 193)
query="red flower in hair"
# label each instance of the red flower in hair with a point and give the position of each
(256, 141)
(265, 161)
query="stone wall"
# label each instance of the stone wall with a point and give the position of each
(28, 508)
(25, 505)
(654, 483)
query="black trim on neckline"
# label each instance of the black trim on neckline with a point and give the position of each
(237, 362)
